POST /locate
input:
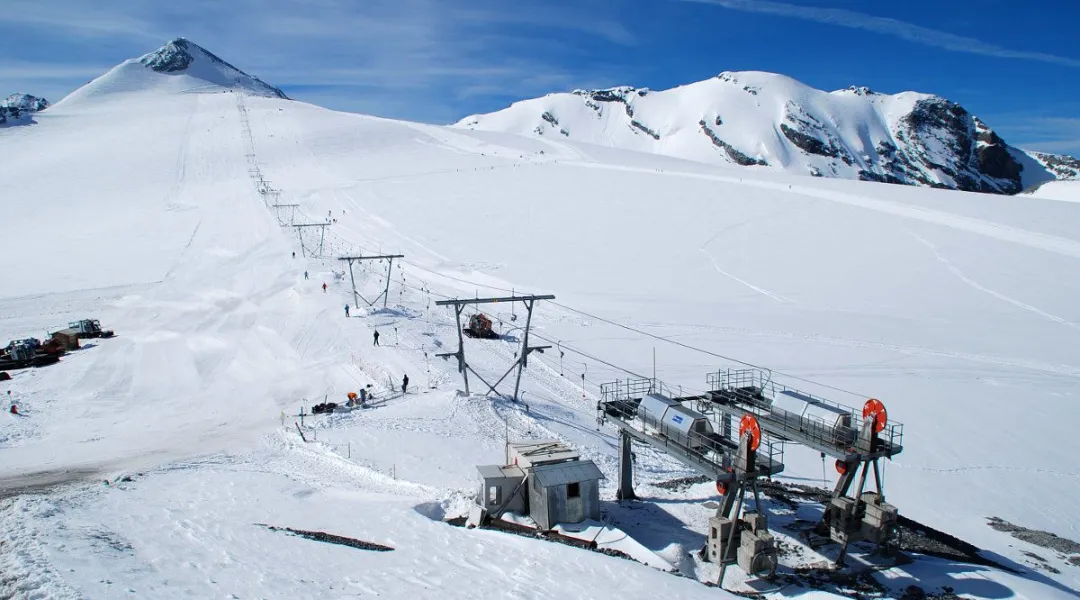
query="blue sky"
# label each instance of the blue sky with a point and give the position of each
(1015, 64)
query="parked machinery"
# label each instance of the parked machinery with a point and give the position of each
(856, 440)
(480, 327)
(22, 354)
(89, 328)
(645, 412)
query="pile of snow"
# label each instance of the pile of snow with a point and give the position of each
(774, 122)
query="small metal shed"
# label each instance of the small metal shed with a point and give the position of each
(564, 492)
(501, 490)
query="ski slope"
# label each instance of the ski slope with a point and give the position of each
(957, 310)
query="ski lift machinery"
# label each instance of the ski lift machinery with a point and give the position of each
(646, 412)
(857, 440)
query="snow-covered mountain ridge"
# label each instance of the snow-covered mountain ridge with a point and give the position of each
(765, 120)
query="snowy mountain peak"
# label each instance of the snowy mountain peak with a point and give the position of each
(179, 67)
(182, 55)
(767, 120)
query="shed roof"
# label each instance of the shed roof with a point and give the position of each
(500, 472)
(567, 472)
(543, 451)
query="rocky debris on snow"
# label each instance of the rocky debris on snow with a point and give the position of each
(1044, 539)
(329, 538)
(1041, 563)
(682, 483)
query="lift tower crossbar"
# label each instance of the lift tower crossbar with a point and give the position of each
(292, 213)
(389, 265)
(522, 359)
(322, 236)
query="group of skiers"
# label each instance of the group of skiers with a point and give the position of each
(362, 398)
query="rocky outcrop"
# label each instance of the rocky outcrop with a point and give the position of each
(733, 153)
(17, 108)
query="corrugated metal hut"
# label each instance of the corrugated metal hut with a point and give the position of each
(501, 490)
(564, 492)
(558, 487)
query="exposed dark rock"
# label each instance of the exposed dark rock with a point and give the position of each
(170, 58)
(642, 127)
(732, 152)
(17, 109)
(321, 536)
(550, 118)
(957, 131)
(807, 143)
(1062, 166)
(862, 90)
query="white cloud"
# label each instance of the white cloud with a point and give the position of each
(907, 31)
(404, 56)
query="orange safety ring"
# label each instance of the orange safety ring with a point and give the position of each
(841, 466)
(750, 424)
(721, 488)
(876, 410)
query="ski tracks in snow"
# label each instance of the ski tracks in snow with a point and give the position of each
(1004, 298)
(762, 291)
(1006, 233)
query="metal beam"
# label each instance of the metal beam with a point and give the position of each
(456, 301)
(522, 359)
(390, 265)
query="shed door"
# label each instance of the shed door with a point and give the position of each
(575, 504)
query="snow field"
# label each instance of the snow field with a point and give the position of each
(928, 300)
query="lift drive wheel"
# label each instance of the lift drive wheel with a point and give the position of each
(750, 424)
(874, 409)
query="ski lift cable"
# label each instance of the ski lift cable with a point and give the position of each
(651, 335)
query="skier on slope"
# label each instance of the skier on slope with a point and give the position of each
(376, 337)
(324, 287)
(346, 310)
(305, 274)
(405, 385)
